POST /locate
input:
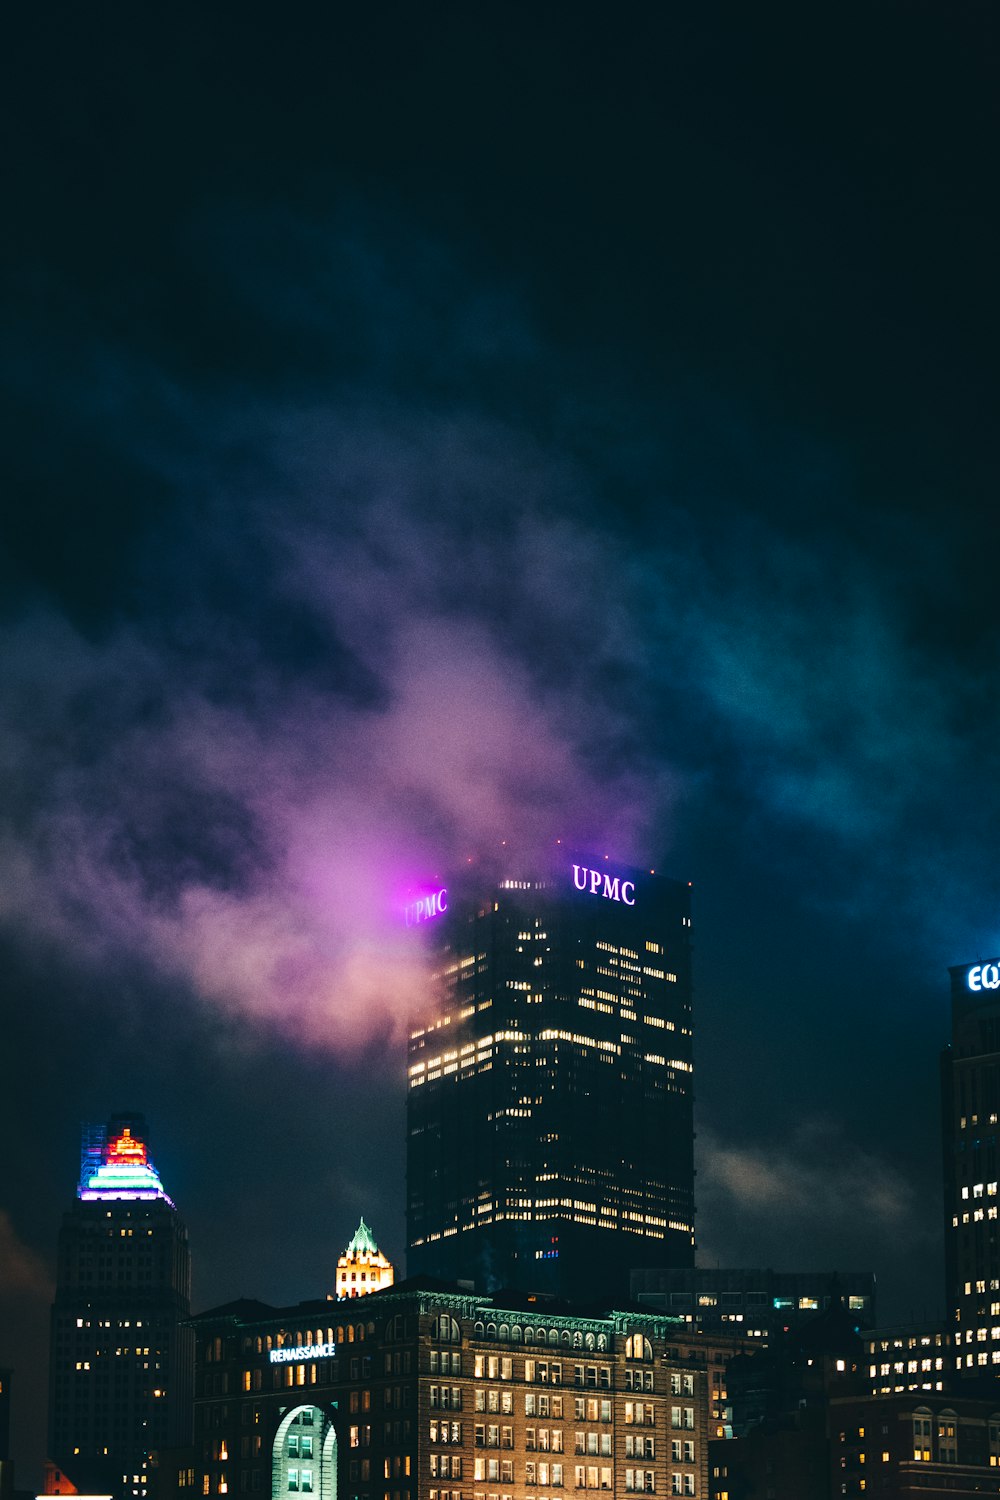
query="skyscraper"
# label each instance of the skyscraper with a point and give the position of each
(550, 1133)
(970, 1076)
(120, 1365)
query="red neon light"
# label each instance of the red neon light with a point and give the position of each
(125, 1150)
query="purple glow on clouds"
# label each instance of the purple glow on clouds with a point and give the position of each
(254, 843)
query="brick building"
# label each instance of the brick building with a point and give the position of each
(428, 1392)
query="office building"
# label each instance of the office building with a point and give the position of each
(756, 1304)
(363, 1268)
(426, 1392)
(121, 1364)
(970, 1091)
(908, 1357)
(914, 1446)
(550, 1131)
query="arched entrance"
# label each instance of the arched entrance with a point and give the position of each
(304, 1457)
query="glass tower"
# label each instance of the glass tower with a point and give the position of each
(550, 1132)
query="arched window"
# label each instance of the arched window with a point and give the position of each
(638, 1347)
(359, 1332)
(922, 1434)
(504, 1333)
(479, 1330)
(447, 1331)
(553, 1335)
(515, 1333)
(566, 1337)
(529, 1335)
(491, 1331)
(589, 1340)
(340, 1333)
(577, 1339)
(947, 1437)
(993, 1437)
(304, 1454)
(602, 1342)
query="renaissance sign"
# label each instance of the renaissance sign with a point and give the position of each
(600, 883)
(984, 977)
(421, 910)
(291, 1356)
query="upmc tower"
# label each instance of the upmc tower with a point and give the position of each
(550, 1135)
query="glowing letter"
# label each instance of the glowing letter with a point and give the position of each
(974, 977)
(581, 885)
(595, 882)
(611, 888)
(628, 885)
(991, 977)
(443, 900)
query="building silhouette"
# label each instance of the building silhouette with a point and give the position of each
(120, 1364)
(550, 1130)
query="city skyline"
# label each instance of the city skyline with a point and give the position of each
(429, 430)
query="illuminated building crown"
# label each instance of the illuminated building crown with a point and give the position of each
(363, 1268)
(116, 1164)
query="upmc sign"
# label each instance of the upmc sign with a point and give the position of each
(599, 883)
(435, 904)
(984, 977)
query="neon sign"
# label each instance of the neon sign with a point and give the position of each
(302, 1351)
(426, 907)
(984, 977)
(599, 883)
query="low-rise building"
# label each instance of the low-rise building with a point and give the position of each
(428, 1392)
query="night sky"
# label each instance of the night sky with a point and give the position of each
(430, 425)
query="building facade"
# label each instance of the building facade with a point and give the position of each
(910, 1357)
(121, 1363)
(550, 1127)
(363, 1268)
(914, 1446)
(424, 1393)
(754, 1304)
(970, 1079)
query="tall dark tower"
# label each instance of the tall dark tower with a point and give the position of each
(550, 1130)
(970, 1077)
(121, 1367)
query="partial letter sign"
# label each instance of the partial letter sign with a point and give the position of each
(427, 906)
(612, 888)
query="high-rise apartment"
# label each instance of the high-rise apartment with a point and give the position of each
(550, 1131)
(121, 1366)
(970, 1076)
